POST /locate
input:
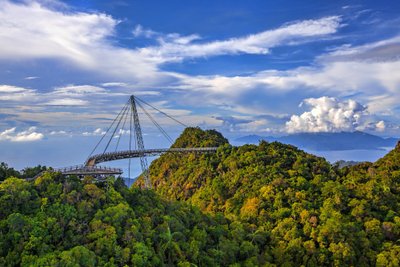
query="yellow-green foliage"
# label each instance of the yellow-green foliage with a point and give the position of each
(265, 205)
(311, 212)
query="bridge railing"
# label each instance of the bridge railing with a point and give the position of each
(86, 168)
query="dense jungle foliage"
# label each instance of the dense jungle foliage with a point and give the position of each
(265, 205)
(68, 222)
(307, 211)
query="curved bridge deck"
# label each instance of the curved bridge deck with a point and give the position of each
(93, 160)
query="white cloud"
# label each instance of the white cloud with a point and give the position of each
(376, 83)
(383, 50)
(24, 136)
(183, 47)
(380, 126)
(139, 31)
(42, 32)
(11, 89)
(31, 78)
(78, 90)
(176, 38)
(140, 93)
(114, 84)
(70, 95)
(32, 30)
(15, 93)
(96, 132)
(329, 114)
(123, 132)
(334, 76)
(67, 102)
(58, 133)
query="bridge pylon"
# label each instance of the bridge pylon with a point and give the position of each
(140, 143)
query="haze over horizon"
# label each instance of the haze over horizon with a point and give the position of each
(68, 67)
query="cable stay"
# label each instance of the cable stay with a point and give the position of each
(162, 112)
(119, 126)
(156, 124)
(104, 135)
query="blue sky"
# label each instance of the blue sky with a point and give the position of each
(241, 67)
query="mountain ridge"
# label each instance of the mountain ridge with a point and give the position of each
(326, 141)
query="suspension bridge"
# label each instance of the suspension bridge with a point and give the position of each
(127, 123)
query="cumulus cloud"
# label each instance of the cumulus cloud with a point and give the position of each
(328, 114)
(24, 136)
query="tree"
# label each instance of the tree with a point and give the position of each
(78, 256)
(6, 172)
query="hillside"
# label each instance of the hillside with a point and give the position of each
(256, 205)
(67, 222)
(313, 213)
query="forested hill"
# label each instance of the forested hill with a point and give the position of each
(313, 213)
(256, 205)
(223, 180)
(55, 221)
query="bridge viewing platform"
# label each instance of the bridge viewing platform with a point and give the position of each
(89, 170)
(82, 170)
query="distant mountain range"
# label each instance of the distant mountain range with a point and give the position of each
(327, 141)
